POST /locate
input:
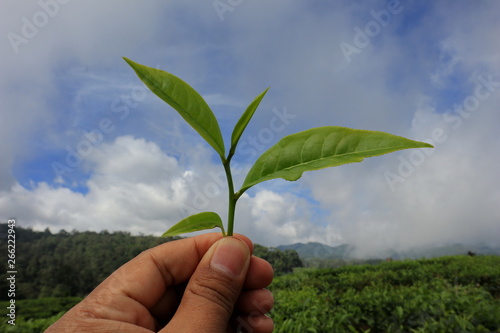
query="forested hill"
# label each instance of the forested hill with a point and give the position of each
(74, 263)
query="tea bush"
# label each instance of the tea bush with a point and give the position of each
(449, 294)
(35, 315)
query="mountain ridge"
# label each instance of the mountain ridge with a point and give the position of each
(316, 250)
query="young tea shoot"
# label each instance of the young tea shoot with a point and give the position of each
(313, 149)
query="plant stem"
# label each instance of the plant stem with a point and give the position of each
(232, 196)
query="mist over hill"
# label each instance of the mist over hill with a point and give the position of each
(315, 250)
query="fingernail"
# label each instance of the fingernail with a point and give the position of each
(231, 256)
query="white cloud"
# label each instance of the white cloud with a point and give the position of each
(152, 170)
(448, 195)
(278, 218)
(72, 34)
(134, 187)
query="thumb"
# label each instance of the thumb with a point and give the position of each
(212, 291)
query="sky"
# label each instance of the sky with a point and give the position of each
(85, 146)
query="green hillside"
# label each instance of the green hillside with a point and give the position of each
(446, 294)
(449, 294)
(73, 263)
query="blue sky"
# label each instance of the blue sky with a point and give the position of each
(87, 147)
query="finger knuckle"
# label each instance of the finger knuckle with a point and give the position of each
(216, 290)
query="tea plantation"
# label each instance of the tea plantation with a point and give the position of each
(448, 294)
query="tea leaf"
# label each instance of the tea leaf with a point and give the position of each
(245, 119)
(322, 147)
(197, 222)
(183, 98)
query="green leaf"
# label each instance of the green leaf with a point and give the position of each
(322, 147)
(244, 120)
(201, 221)
(183, 98)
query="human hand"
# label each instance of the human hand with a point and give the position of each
(197, 284)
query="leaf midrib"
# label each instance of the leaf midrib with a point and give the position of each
(158, 87)
(324, 158)
(186, 113)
